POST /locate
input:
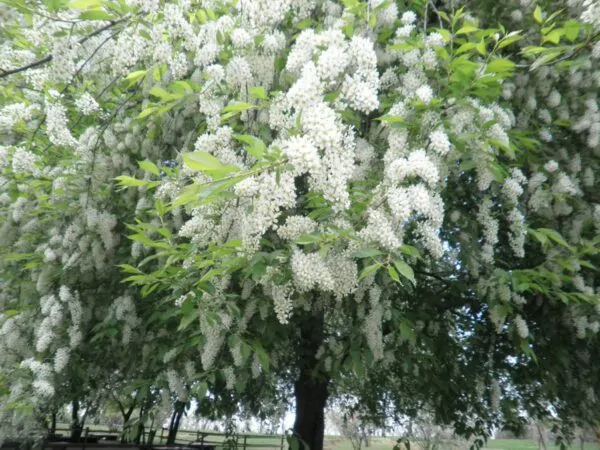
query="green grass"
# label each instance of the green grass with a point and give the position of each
(260, 442)
(529, 444)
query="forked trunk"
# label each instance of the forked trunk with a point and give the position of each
(175, 421)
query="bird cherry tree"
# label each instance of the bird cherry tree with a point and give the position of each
(389, 200)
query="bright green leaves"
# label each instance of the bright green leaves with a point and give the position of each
(255, 146)
(149, 166)
(258, 92)
(545, 236)
(558, 40)
(165, 99)
(163, 95)
(135, 77)
(234, 109)
(206, 163)
(95, 9)
(204, 15)
(537, 15)
(571, 30)
(126, 181)
(397, 267)
(405, 270)
(502, 66)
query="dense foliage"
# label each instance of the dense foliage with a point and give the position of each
(390, 203)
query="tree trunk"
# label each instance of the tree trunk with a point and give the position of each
(76, 427)
(311, 387)
(311, 397)
(53, 423)
(140, 426)
(175, 420)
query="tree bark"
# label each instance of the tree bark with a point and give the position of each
(76, 427)
(175, 420)
(311, 387)
(53, 423)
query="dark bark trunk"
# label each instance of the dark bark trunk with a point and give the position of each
(175, 420)
(125, 435)
(76, 427)
(311, 387)
(311, 397)
(140, 426)
(53, 423)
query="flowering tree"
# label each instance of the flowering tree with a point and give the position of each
(389, 200)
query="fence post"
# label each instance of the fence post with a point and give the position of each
(202, 441)
(282, 436)
(162, 430)
(245, 437)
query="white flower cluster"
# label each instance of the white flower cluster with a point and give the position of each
(56, 125)
(15, 112)
(310, 271)
(489, 226)
(282, 300)
(86, 104)
(296, 226)
(372, 325)
(521, 327)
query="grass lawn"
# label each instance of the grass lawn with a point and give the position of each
(339, 443)
(527, 444)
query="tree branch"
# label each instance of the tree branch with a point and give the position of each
(46, 59)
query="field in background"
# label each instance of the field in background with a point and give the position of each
(526, 444)
(258, 442)
(332, 443)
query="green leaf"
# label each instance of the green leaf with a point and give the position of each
(572, 28)
(542, 238)
(545, 59)
(501, 66)
(202, 16)
(95, 14)
(146, 112)
(162, 94)
(133, 77)
(465, 47)
(480, 47)
(467, 29)
(405, 270)
(237, 107)
(553, 37)
(258, 92)
(393, 119)
(306, 239)
(7, 313)
(410, 251)
(187, 319)
(256, 147)
(369, 270)
(262, 357)
(85, 4)
(201, 390)
(205, 162)
(537, 15)
(367, 253)
(149, 166)
(510, 39)
(393, 274)
(125, 180)
(555, 236)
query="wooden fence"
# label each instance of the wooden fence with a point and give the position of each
(208, 440)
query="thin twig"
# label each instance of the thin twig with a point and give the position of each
(43, 119)
(48, 58)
